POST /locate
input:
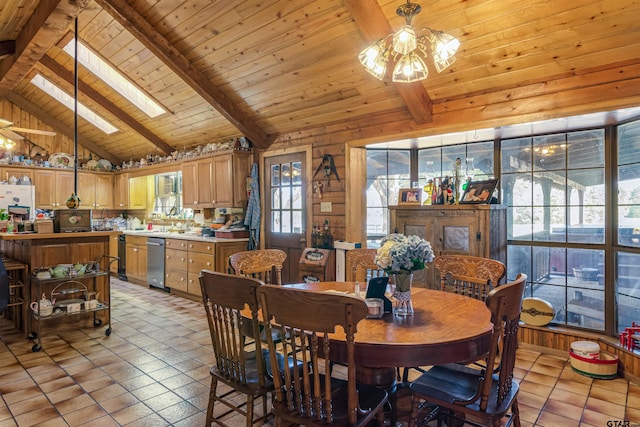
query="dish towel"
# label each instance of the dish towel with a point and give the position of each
(252, 217)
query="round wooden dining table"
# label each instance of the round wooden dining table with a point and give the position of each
(445, 328)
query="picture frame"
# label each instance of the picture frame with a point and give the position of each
(479, 192)
(410, 196)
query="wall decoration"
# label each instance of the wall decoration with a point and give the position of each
(479, 191)
(409, 196)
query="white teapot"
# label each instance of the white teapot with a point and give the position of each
(44, 307)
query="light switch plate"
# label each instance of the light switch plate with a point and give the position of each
(325, 207)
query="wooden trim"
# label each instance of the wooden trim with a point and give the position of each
(556, 340)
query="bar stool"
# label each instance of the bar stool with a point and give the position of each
(16, 309)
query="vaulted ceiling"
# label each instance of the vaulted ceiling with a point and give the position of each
(284, 72)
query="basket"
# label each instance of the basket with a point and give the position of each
(605, 367)
(585, 273)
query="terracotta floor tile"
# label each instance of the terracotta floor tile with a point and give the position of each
(153, 371)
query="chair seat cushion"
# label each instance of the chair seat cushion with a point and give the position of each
(370, 399)
(443, 385)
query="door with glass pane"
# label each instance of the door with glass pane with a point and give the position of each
(285, 206)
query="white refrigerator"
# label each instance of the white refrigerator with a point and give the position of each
(18, 199)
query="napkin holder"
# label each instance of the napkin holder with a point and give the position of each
(377, 288)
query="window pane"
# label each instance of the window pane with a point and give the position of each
(275, 198)
(586, 149)
(549, 152)
(519, 261)
(516, 155)
(275, 175)
(297, 221)
(275, 221)
(285, 192)
(296, 174)
(286, 174)
(629, 205)
(297, 197)
(627, 289)
(286, 222)
(377, 221)
(549, 188)
(629, 143)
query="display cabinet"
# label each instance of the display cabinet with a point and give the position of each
(477, 230)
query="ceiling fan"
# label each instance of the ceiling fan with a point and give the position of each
(10, 132)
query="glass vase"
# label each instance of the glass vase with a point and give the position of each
(402, 294)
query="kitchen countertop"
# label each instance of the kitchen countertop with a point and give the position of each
(181, 236)
(40, 236)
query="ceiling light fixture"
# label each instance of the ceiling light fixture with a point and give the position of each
(408, 49)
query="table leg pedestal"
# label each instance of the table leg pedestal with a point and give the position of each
(384, 378)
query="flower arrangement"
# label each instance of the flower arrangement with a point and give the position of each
(403, 254)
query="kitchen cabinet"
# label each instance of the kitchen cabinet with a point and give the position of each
(197, 190)
(121, 191)
(95, 190)
(10, 174)
(136, 255)
(113, 252)
(139, 191)
(477, 230)
(184, 259)
(217, 181)
(53, 187)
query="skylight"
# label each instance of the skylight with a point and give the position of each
(67, 100)
(113, 78)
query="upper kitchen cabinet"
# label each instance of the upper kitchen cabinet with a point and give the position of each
(14, 175)
(139, 191)
(53, 187)
(217, 181)
(121, 191)
(95, 190)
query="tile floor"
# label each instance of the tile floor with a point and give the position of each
(153, 371)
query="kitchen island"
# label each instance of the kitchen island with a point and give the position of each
(44, 250)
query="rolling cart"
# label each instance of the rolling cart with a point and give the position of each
(75, 294)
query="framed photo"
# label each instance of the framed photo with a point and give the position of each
(409, 196)
(479, 191)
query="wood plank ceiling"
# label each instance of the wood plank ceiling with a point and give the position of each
(287, 71)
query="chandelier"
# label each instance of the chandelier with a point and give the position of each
(6, 143)
(408, 49)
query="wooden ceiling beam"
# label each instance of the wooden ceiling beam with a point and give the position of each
(104, 103)
(56, 124)
(135, 23)
(373, 24)
(7, 47)
(49, 21)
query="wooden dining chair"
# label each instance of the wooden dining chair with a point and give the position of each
(469, 275)
(262, 264)
(315, 395)
(232, 307)
(361, 265)
(477, 397)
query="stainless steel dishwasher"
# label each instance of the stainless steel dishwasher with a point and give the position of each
(155, 262)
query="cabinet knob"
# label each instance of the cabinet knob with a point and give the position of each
(182, 259)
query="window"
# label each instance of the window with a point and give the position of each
(111, 76)
(387, 172)
(286, 198)
(67, 100)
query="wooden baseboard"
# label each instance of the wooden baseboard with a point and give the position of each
(556, 340)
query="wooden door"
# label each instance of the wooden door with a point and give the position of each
(285, 209)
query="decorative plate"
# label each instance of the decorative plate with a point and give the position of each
(92, 164)
(104, 164)
(61, 160)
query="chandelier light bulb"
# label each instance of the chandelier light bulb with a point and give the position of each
(404, 41)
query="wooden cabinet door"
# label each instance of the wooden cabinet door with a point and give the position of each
(66, 186)
(223, 181)
(103, 192)
(205, 189)
(138, 192)
(113, 251)
(121, 191)
(46, 191)
(457, 235)
(87, 190)
(189, 185)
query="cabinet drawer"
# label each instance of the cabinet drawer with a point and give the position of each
(136, 240)
(193, 284)
(176, 244)
(175, 259)
(200, 261)
(205, 247)
(176, 279)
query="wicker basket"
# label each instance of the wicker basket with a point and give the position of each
(606, 367)
(585, 273)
